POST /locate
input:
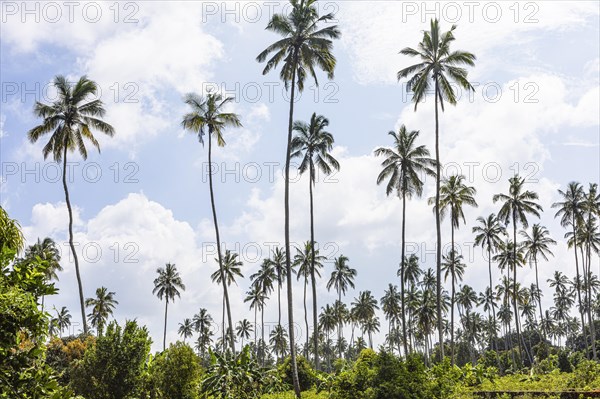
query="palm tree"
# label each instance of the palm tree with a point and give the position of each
(209, 114)
(229, 269)
(202, 324)
(313, 144)
(516, 205)
(186, 329)
(264, 279)
(365, 306)
(328, 321)
(102, 307)
(438, 65)
(167, 285)
(257, 299)
(455, 268)
(63, 319)
(342, 276)
(307, 267)
(243, 330)
(467, 299)
(304, 45)
(403, 166)
(70, 120)
(390, 304)
(452, 196)
(570, 210)
(278, 341)
(47, 251)
(278, 261)
(488, 237)
(536, 245)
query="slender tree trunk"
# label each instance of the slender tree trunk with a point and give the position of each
(587, 279)
(514, 296)
(453, 291)
(491, 290)
(438, 227)
(223, 324)
(312, 270)
(287, 233)
(402, 269)
(578, 287)
(255, 330)
(77, 273)
(539, 297)
(279, 301)
(165, 329)
(307, 346)
(214, 212)
(262, 334)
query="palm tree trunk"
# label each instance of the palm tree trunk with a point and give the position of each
(438, 227)
(279, 300)
(491, 290)
(539, 297)
(577, 285)
(588, 286)
(214, 212)
(255, 328)
(453, 291)
(402, 271)
(312, 270)
(287, 233)
(262, 333)
(306, 319)
(223, 323)
(165, 329)
(514, 296)
(68, 201)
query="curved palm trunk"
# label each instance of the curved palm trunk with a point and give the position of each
(165, 329)
(312, 271)
(214, 212)
(68, 201)
(453, 293)
(287, 234)
(437, 227)
(402, 272)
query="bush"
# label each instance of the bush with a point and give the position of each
(306, 374)
(175, 373)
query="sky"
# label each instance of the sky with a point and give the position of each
(144, 201)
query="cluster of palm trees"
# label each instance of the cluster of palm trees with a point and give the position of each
(417, 309)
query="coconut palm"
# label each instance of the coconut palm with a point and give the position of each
(313, 144)
(536, 245)
(243, 330)
(277, 339)
(102, 307)
(71, 119)
(392, 309)
(487, 236)
(570, 210)
(63, 319)
(305, 262)
(47, 251)
(208, 114)
(230, 268)
(454, 193)
(515, 208)
(257, 299)
(186, 329)
(202, 325)
(342, 276)
(364, 308)
(264, 279)
(439, 65)
(403, 167)
(278, 261)
(305, 44)
(454, 267)
(167, 285)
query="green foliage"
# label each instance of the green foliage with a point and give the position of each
(586, 375)
(114, 367)
(238, 377)
(174, 374)
(62, 353)
(306, 374)
(23, 328)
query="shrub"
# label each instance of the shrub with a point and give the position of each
(306, 374)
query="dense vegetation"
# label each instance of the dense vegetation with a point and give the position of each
(444, 339)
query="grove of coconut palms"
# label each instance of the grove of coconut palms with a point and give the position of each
(300, 199)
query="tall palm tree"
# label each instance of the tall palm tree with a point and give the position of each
(243, 330)
(63, 319)
(454, 193)
(439, 65)
(264, 279)
(570, 210)
(70, 119)
(208, 114)
(278, 261)
(167, 286)
(186, 329)
(487, 236)
(313, 144)
(365, 305)
(454, 267)
(515, 208)
(328, 321)
(305, 44)
(47, 251)
(591, 240)
(342, 276)
(536, 245)
(278, 341)
(202, 324)
(307, 266)
(403, 166)
(390, 304)
(257, 299)
(102, 307)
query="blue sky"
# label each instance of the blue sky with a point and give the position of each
(535, 110)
